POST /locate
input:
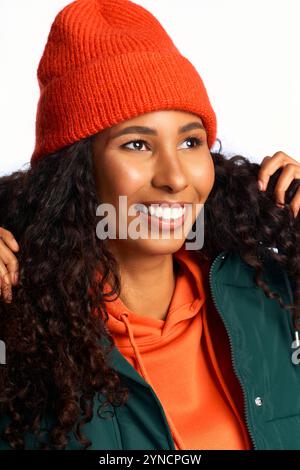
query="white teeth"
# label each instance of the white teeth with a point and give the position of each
(151, 210)
(176, 213)
(166, 213)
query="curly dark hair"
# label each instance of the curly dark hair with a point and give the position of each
(56, 363)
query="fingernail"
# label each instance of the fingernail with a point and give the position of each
(15, 277)
(15, 243)
(260, 185)
(281, 206)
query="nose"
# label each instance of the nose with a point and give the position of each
(169, 172)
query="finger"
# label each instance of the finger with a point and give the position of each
(295, 203)
(6, 291)
(265, 159)
(9, 239)
(270, 165)
(289, 173)
(10, 261)
(261, 184)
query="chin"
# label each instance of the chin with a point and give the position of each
(156, 247)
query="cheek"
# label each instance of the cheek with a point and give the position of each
(203, 177)
(116, 177)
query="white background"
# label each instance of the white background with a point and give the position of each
(247, 53)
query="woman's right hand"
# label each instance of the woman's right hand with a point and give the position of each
(9, 265)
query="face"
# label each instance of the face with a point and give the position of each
(158, 156)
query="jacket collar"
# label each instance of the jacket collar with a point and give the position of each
(118, 362)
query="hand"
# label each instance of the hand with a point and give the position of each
(9, 265)
(291, 171)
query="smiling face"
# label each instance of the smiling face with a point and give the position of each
(158, 156)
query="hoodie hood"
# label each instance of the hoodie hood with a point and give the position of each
(131, 329)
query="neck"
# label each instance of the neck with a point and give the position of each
(147, 282)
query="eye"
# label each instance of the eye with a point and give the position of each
(197, 141)
(140, 143)
(134, 142)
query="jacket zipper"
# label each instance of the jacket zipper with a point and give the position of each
(221, 255)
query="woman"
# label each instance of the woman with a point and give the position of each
(132, 343)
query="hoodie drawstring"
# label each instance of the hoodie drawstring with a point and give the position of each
(176, 437)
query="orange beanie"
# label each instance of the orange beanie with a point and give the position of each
(106, 61)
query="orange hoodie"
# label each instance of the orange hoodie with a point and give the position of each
(177, 357)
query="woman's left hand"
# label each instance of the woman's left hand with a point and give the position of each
(290, 171)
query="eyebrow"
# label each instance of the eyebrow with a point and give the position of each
(150, 131)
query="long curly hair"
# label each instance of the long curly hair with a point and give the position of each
(56, 362)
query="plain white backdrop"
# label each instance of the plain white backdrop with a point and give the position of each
(246, 51)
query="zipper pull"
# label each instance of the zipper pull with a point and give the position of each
(296, 346)
(297, 341)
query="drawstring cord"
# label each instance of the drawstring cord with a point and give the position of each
(175, 434)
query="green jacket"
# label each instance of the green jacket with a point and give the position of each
(260, 337)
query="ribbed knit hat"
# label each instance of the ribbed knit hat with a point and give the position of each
(106, 61)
